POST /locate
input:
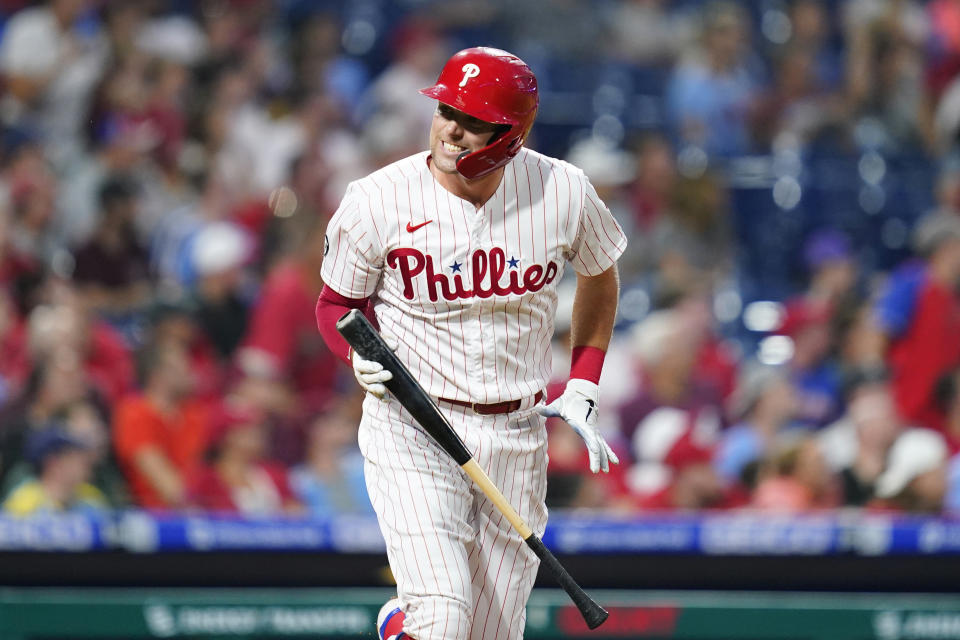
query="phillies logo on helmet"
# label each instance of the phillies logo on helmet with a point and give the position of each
(487, 271)
(470, 70)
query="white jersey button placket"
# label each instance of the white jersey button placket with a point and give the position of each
(478, 227)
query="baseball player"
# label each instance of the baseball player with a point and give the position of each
(456, 253)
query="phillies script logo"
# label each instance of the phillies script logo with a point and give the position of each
(487, 271)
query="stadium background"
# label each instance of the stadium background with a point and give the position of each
(787, 343)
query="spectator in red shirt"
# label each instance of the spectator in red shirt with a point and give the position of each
(943, 45)
(920, 314)
(283, 344)
(60, 319)
(237, 480)
(106, 359)
(160, 434)
(716, 361)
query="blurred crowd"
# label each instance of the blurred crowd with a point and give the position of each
(167, 169)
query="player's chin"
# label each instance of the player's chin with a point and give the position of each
(445, 164)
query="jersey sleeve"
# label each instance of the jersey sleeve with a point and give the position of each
(599, 241)
(352, 257)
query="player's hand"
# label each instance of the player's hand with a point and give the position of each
(369, 373)
(578, 407)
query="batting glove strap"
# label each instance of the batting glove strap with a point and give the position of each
(578, 406)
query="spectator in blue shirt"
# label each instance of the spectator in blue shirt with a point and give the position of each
(711, 90)
(763, 404)
(330, 480)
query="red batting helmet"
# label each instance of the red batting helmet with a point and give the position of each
(494, 86)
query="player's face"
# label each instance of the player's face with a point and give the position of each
(453, 133)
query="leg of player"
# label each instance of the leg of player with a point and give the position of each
(512, 448)
(423, 503)
(462, 572)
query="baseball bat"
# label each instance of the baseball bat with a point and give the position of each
(365, 340)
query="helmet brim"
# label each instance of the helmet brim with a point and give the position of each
(443, 93)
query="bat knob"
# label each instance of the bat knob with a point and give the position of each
(596, 617)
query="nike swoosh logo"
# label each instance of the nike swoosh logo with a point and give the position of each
(413, 227)
(590, 409)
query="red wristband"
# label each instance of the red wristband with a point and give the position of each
(587, 363)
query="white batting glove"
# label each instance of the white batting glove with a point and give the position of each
(369, 373)
(578, 407)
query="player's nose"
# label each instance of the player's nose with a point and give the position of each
(453, 129)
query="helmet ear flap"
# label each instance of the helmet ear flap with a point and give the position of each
(480, 163)
(499, 132)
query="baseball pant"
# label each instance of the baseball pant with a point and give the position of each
(462, 572)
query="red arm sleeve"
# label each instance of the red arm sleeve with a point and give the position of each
(330, 307)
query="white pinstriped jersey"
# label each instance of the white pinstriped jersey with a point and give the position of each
(470, 293)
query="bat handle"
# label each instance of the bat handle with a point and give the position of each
(593, 614)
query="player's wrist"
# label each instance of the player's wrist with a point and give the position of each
(583, 387)
(586, 363)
